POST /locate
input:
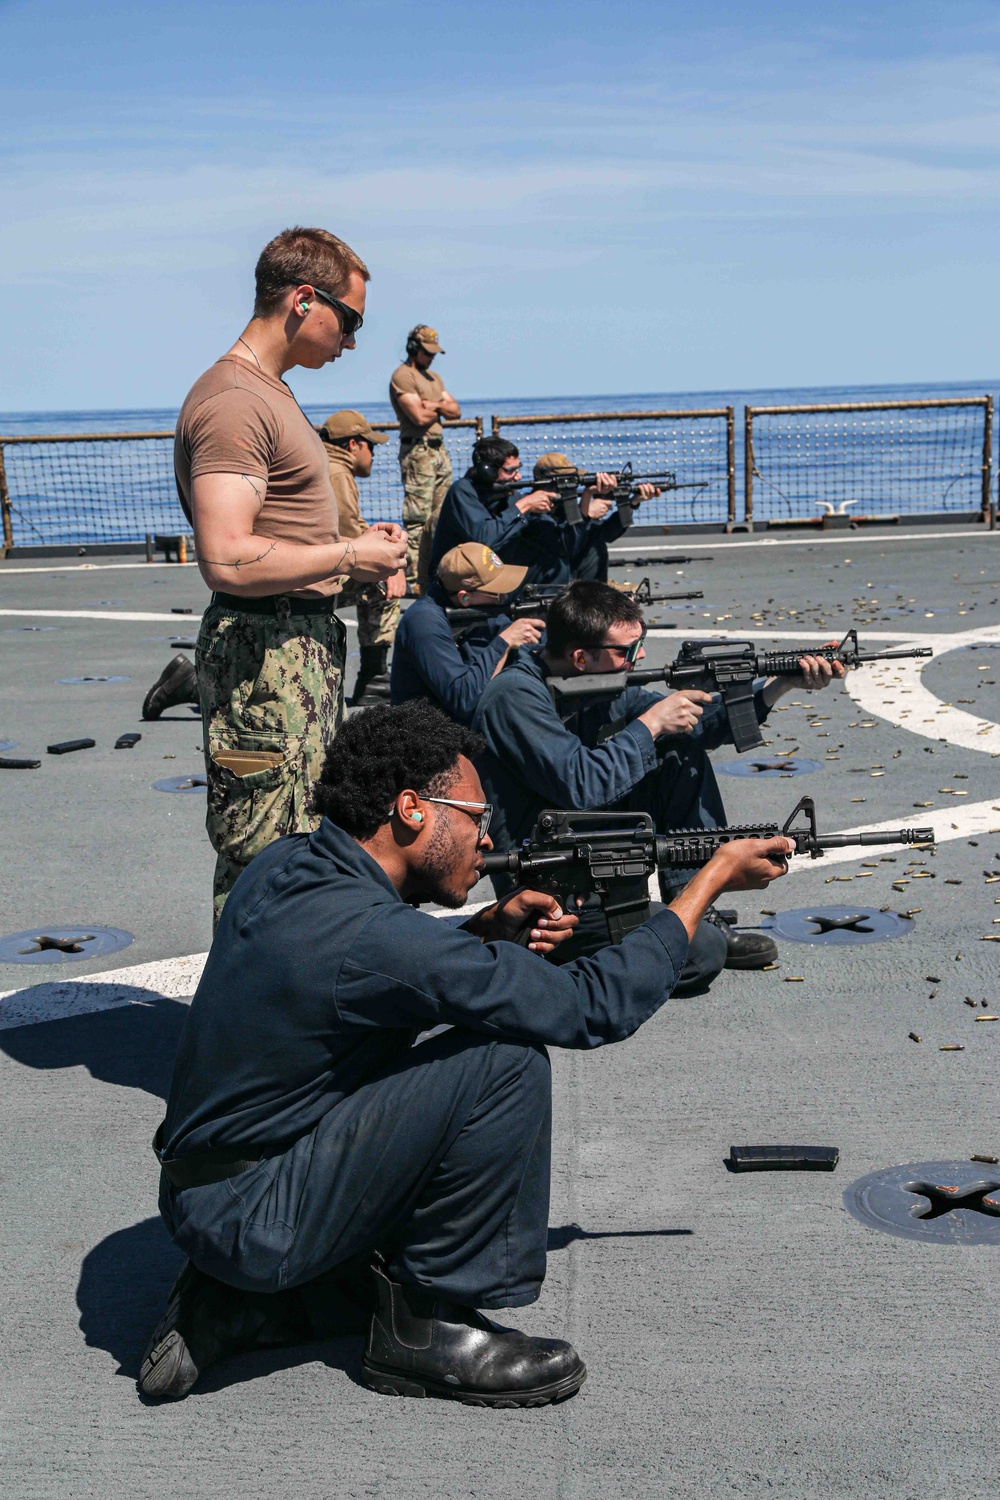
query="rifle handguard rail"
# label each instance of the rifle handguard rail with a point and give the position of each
(611, 838)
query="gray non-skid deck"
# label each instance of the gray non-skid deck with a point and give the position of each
(744, 1334)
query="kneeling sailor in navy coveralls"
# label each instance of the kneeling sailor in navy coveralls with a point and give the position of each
(324, 1174)
(429, 662)
(636, 750)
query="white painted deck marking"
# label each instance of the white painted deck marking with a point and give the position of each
(908, 704)
(678, 541)
(177, 978)
(92, 567)
(118, 614)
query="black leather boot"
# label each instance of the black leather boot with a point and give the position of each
(205, 1321)
(419, 1345)
(747, 950)
(177, 683)
(372, 683)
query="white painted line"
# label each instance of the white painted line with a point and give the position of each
(894, 691)
(88, 567)
(58, 999)
(101, 614)
(678, 541)
(821, 636)
(119, 614)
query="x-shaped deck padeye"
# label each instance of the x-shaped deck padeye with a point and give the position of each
(44, 944)
(945, 1199)
(853, 922)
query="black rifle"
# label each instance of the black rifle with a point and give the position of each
(535, 598)
(611, 855)
(566, 485)
(725, 667)
(666, 559)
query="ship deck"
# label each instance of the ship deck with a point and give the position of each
(744, 1334)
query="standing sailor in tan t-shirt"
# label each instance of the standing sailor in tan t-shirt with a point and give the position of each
(350, 447)
(253, 478)
(420, 400)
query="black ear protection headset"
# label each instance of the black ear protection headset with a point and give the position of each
(413, 344)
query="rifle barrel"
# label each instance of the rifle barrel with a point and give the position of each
(866, 840)
(863, 656)
(666, 598)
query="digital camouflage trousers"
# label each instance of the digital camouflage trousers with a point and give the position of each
(272, 697)
(378, 619)
(426, 479)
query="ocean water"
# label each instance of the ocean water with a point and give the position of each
(79, 493)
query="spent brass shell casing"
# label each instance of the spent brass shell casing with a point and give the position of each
(981, 1156)
(952, 1047)
(987, 1018)
(913, 1036)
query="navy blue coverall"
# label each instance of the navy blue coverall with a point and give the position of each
(298, 1049)
(602, 757)
(427, 662)
(551, 551)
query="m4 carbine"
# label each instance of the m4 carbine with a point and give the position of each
(725, 667)
(611, 855)
(566, 485)
(535, 598)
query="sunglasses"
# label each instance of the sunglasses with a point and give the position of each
(630, 653)
(353, 320)
(482, 811)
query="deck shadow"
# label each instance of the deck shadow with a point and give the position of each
(132, 1046)
(122, 1293)
(566, 1234)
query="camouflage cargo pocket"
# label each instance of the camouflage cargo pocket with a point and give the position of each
(256, 793)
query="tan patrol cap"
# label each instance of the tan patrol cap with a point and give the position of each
(478, 569)
(550, 461)
(427, 338)
(348, 424)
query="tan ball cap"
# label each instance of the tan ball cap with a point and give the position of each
(550, 461)
(348, 424)
(478, 569)
(427, 338)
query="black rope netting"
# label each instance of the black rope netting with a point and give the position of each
(86, 491)
(92, 491)
(913, 460)
(894, 459)
(693, 447)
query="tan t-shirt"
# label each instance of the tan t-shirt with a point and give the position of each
(345, 487)
(237, 420)
(409, 381)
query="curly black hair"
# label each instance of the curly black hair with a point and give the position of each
(379, 753)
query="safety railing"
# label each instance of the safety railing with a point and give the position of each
(697, 447)
(869, 461)
(836, 464)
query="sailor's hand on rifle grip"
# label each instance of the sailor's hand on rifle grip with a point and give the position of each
(677, 713)
(535, 503)
(751, 864)
(549, 924)
(523, 632)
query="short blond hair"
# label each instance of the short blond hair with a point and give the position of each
(299, 256)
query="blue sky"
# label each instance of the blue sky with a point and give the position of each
(582, 197)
